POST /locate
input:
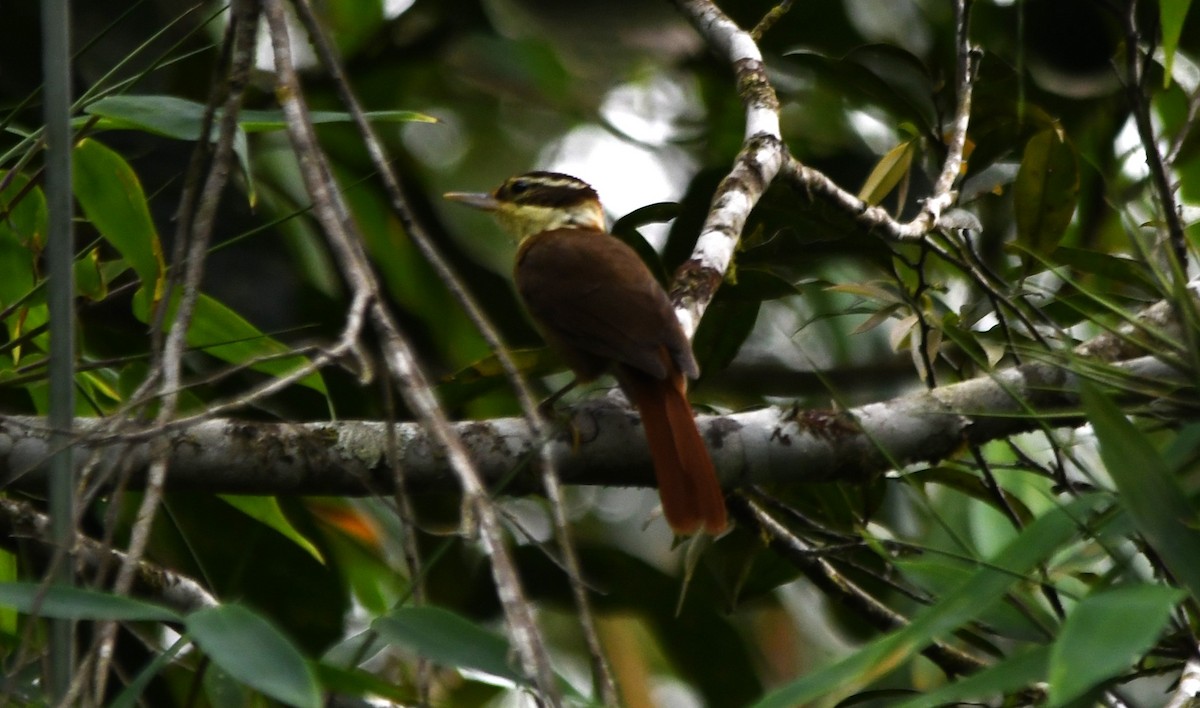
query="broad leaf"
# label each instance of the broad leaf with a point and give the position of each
(1046, 190)
(111, 196)
(253, 651)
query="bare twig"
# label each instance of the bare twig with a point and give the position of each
(822, 574)
(21, 522)
(391, 182)
(1187, 692)
(877, 219)
(195, 229)
(1135, 86)
(333, 215)
(768, 21)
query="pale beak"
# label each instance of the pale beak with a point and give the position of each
(479, 200)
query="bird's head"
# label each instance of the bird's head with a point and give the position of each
(534, 202)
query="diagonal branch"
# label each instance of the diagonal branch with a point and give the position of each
(333, 215)
(754, 169)
(392, 186)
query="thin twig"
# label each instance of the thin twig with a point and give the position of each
(822, 574)
(550, 479)
(195, 229)
(768, 21)
(333, 215)
(1135, 87)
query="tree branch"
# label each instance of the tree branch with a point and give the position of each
(334, 217)
(753, 170)
(605, 446)
(21, 522)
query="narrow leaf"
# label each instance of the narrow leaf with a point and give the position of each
(1172, 14)
(888, 172)
(1034, 545)
(80, 604)
(1154, 498)
(181, 119)
(448, 639)
(133, 692)
(223, 333)
(266, 511)
(1105, 634)
(253, 651)
(1012, 674)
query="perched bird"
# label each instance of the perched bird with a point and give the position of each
(599, 306)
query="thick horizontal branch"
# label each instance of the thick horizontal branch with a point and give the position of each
(604, 444)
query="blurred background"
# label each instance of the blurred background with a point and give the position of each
(626, 95)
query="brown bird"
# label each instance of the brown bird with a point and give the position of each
(599, 306)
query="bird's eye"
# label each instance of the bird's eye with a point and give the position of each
(517, 187)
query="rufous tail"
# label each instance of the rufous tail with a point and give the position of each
(687, 481)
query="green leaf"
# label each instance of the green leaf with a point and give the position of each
(723, 331)
(266, 510)
(1022, 669)
(355, 682)
(253, 651)
(1172, 14)
(1036, 543)
(181, 119)
(225, 334)
(62, 602)
(22, 237)
(24, 212)
(1106, 265)
(89, 279)
(258, 121)
(17, 269)
(1045, 191)
(1149, 492)
(448, 639)
(881, 74)
(1105, 634)
(111, 196)
(8, 574)
(888, 172)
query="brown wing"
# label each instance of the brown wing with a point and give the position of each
(598, 303)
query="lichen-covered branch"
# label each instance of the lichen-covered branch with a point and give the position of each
(753, 170)
(606, 445)
(21, 523)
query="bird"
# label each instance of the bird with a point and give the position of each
(598, 305)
